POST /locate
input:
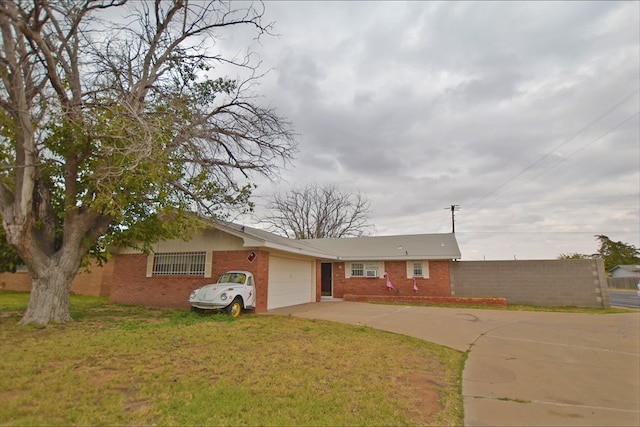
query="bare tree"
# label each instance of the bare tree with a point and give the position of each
(113, 126)
(315, 212)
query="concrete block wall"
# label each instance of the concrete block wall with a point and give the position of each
(436, 285)
(537, 282)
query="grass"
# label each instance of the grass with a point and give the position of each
(118, 365)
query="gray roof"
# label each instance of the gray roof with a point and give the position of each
(254, 237)
(401, 247)
(634, 268)
(378, 248)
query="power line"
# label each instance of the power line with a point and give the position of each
(591, 123)
(574, 153)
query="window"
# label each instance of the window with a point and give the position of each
(357, 269)
(179, 263)
(362, 269)
(418, 269)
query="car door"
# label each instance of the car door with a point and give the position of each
(251, 293)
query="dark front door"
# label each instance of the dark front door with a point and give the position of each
(326, 279)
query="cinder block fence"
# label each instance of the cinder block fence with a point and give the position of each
(572, 282)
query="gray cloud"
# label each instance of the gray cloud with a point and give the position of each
(499, 107)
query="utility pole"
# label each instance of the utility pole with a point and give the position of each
(453, 209)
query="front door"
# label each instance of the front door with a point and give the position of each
(325, 278)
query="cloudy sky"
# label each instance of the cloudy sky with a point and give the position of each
(526, 115)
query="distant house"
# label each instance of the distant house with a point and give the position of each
(625, 271)
(287, 271)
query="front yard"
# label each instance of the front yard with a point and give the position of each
(118, 365)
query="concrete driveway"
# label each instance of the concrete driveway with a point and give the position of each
(523, 368)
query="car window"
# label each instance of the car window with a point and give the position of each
(250, 281)
(232, 278)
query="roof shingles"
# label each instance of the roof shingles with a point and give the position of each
(400, 247)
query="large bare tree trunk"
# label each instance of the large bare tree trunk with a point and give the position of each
(51, 280)
(49, 300)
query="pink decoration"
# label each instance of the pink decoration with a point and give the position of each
(389, 284)
(415, 286)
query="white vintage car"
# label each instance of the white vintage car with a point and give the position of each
(235, 291)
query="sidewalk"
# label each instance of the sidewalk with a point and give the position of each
(524, 368)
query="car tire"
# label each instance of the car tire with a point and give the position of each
(196, 310)
(235, 308)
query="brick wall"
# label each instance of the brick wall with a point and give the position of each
(18, 281)
(92, 282)
(436, 285)
(238, 260)
(546, 282)
(131, 286)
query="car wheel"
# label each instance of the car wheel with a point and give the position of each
(196, 310)
(235, 308)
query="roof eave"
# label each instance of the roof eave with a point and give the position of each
(400, 258)
(298, 251)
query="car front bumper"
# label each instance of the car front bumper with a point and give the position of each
(208, 305)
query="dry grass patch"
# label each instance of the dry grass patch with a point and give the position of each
(142, 366)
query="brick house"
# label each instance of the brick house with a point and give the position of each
(287, 271)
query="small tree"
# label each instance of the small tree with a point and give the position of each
(113, 127)
(574, 255)
(319, 212)
(612, 253)
(616, 253)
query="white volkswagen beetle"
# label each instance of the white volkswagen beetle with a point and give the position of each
(235, 291)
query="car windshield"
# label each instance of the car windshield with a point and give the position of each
(233, 278)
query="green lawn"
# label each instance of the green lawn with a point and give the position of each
(118, 365)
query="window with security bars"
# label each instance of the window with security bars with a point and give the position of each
(357, 269)
(368, 269)
(179, 263)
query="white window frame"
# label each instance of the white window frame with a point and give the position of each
(356, 266)
(411, 269)
(179, 263)
(370, 269)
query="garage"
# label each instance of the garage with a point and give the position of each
(291, 282)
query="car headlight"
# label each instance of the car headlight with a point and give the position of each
(223, 296)
(193, 295)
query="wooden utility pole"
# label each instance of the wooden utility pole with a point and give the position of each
(453, 209)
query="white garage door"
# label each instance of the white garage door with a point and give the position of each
(291, 282)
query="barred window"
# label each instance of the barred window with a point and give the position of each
(357, 269)
(361, 269)
(179, 263)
